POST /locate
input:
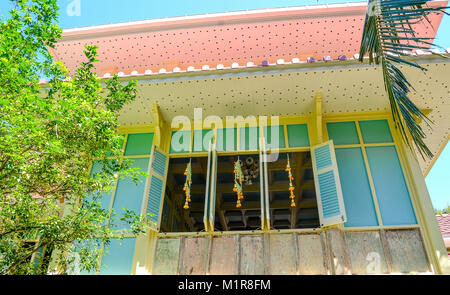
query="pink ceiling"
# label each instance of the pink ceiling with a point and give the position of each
(223, 39)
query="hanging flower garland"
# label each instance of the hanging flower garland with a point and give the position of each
(238, 178)
(291, 178)
(187, 185)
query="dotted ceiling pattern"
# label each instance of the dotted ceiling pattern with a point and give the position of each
(352, 88)
(226, 42)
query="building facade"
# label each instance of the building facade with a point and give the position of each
(267, 89)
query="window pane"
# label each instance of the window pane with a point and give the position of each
(174, 215)
(298, 135)
(104, 198)
(274, 136)
(249, 138)
(118, 260)
(375, 131)
(202, 139)
(343, 133)
(129, 194)
(180, 142)
(226, 139)
(390, 186)
(305, 212)
(355, 188)
(139, 144)
(121, 141)
(229, 216)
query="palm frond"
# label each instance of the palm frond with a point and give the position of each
(388, 36)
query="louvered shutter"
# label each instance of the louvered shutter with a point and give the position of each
(328, 186)
(155, 186)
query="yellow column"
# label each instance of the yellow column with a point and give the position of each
(316, 121)
(432, 237)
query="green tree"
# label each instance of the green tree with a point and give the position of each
(49, 138)
(442, 211)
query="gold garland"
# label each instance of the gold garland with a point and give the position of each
(291, 178)
(187, 185)
(238, 178)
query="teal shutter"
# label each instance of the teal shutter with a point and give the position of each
(155, 186)
(330, 201)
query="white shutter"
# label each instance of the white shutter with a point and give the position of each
(155, 186)
(213, 186)
(210, 191)
(328, 186)
(264, 185)
(207, 189)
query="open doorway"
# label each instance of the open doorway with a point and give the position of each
(175, 218)
(305, 214)
(229, 216)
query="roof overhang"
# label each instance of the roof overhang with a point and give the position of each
(288, 90)
(224, 39)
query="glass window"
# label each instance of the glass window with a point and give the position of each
(356, 191)
(226, 139)
(202, 139)
(129, 194)
(298, 135)
(390, 186)
(249, 138)
(118, 259)
(343, 133)
(274, 136)
(375, 131)
(180, 142)
(139, 144)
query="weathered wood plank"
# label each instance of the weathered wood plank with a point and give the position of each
(282, 254)
(338, 252)
(166, 256)
(223, 256)
(366, 252)
(194, 256)
(407, 251)
(251, 255)
(312, 260)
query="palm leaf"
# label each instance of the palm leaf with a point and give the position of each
(388, 36)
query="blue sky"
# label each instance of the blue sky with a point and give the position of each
(79, 13)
